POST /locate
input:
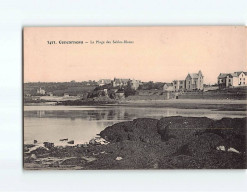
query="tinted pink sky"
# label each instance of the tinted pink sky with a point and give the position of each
(158, 53)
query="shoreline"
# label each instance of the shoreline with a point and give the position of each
(221, 105)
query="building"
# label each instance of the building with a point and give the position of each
(41, 91)
(120, 82)
(194, 81)
(102, 82)
(236, 79)
(240, 79)
(106, 92)
(168, 87)
(178, 85)
(225, 80)
(134, 84)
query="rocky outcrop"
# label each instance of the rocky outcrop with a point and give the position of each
(186, 142)
(168, 143)
(144, 130)
(233, 131)
(181, 127)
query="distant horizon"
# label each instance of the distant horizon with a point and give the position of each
(158, 54)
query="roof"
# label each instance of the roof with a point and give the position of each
(224, 75)
(121, 80)
(195, 75)
(235, 74)
(239, 72)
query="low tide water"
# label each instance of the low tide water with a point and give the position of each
(82, 123)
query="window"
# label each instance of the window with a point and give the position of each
(229, 80)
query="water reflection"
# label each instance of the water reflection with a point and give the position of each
(83, 123)
(109, 114)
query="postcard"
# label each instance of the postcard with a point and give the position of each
(155, 97)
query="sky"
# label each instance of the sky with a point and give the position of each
(159, 54)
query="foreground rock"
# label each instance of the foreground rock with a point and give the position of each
(168, 143)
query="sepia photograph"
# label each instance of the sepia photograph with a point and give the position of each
(127, 98)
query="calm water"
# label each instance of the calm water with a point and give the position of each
(81, 123)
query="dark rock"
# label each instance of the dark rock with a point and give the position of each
(223, 160)
(54, 164)
(182, 127)
(144, 130)
(26, 149)
(29, 145)
(30, 159)
(35, 141)
(48, 145)
(204, 143)
(40, 151)
(64, 139)
(233, 131)
(180, 162)
(71, 142)
(73, 161)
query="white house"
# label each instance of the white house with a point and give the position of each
(168, 87)
(134, 84)
(41, 91)
(236, 79)
(240, 78)
(120, 82)
(194, 81)
(178, 85)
